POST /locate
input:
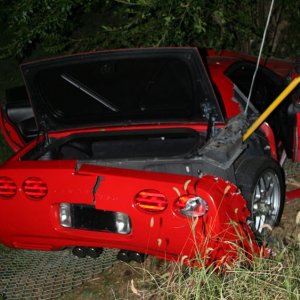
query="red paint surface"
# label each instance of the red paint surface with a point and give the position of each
(34, 224)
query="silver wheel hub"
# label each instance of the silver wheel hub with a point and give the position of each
(266, 200)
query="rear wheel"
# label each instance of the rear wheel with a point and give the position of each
(261, 182)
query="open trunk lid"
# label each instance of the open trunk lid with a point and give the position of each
(122, 87)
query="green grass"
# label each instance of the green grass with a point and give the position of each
(265, 279)
(274, 278)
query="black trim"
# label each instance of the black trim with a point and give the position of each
(39, 151)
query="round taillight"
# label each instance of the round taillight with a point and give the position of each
(8, 188)
(35, 188)
(151, 201)
(191, 206)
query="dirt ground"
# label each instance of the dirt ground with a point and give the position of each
(118, 282)
(289, 227)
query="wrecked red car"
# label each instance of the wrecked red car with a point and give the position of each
(142, 150)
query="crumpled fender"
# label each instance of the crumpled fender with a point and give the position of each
(224, 235)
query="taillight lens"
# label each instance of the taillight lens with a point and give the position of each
(191, 206)
(35, 188)
(151, 201)
(8, 187)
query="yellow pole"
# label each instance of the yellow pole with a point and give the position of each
(270, 109)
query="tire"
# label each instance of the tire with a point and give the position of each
(261, 181)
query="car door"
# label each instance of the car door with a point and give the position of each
(267, 87)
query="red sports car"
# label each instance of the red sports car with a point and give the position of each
(142, 150)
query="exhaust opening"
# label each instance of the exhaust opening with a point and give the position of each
(128, 256)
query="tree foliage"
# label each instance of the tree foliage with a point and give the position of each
(57, 26)
(46, 22)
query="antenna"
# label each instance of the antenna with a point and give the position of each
(259, 56)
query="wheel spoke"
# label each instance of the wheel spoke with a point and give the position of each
(269, 193)
(262, 185)
(257, 195)
(259, 222)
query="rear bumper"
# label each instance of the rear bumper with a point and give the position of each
(36, 225)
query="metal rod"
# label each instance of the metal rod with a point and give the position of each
(270, 109)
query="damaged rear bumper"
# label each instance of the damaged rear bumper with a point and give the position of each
(110, 217)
